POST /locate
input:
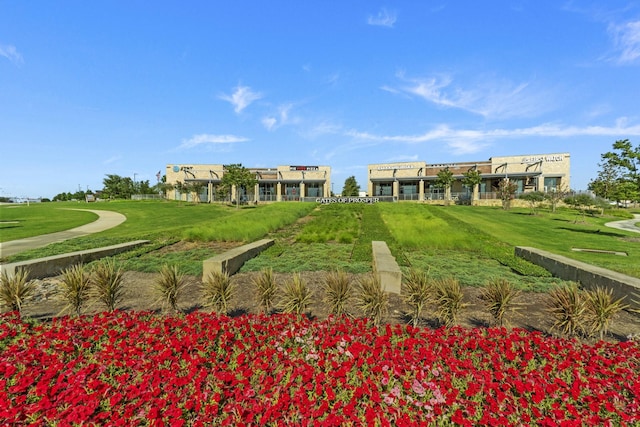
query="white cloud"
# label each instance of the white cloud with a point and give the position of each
(11, 53)
(384, 18)
(626, 38)
(464, 141)
(281, 118)
(241, 98)
(204, 138)
(111, 160)
(490, 98)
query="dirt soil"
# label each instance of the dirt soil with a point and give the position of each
(141, 295)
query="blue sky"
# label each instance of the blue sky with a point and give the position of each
(89, 88)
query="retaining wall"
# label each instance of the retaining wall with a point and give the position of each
(230, 261)
(53, 265)
(589, 276)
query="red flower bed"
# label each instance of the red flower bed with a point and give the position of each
(132, 368)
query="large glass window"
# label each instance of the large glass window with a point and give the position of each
(551, 183)
(314, 189)
(383, 189)
(409, 190)
(267, 191)
(292, 191)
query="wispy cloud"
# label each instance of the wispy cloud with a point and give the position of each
(464, 141)
(492, 98)
(241, 98)
(11, 53)
(111, 160)
(204, 138)
(626, 39)
(384, 18)
(280, 118)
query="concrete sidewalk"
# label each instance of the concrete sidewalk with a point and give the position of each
(105, 221)
(626, 225)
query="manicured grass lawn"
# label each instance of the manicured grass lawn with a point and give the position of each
(22, 221)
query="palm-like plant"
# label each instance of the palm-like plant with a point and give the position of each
(218, 290)
(15, 289)
(371, 298)
(295, 295)
(337, 292)
(418, 292)
(498, 296)
(601, 309)
(75, 286)
(567, 307)
(108, 283)
(448, 299)
(267, 289)
(170, 285)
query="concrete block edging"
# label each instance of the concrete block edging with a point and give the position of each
(386, 267)
(231, 261)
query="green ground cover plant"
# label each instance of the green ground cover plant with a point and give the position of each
(332, 223)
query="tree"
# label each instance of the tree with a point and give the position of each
(507, 192)
(555, 196)
(444, 179)
(627, 158)
(117, 187)
(580, 202)
(472, 178)
(351, 187)
(608, 180)
(238, 177)
(534, 198)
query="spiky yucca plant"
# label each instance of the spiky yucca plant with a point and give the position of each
(601, 309)
(567, 307)
(498, 296)
(75, 286)
(170, 284)
(15, 289)
(107, 283)
(295, 296)
(418, 292)
(337, 292)
(218, 290)
(266, 285)
(448, 300)
(371, 298)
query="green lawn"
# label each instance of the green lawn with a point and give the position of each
(471, 243)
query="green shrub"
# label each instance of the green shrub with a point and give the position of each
(170, 284)
(267, 289)
(15, 289)
(448, 300)
(295, 296)
(418, 292)
(337, 292)
(601, 309)
(567, 308)
(107, 282)
(75, 284)
(498, 296)
(218, 290)
(371, 298)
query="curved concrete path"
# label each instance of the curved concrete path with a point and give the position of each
(627, 224)
(105, 221)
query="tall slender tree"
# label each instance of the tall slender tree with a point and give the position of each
(238, 177)
(351, 187)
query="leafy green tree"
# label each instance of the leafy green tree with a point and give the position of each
(472, 178)
(580, 202)
(608, 180)
(627, 158)
(507, 192)
(351, 187)
(534, 198)
(117, 187)
(444, 179)
(238, 177)
(555, 196)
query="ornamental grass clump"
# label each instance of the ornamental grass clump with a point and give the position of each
(371, 298)
(295, 295)
(267, 289)
(448, 300)
(107, 283)
(75, 284)
(170, 284)
(567, 308)
(337, 292)
(418, 292)
(218, 290)
(601, 309)
(498, 296)
(15, 289)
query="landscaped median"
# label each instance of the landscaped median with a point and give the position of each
(138, 368)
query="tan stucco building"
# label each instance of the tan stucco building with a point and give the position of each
(416, 180)
(281, 183)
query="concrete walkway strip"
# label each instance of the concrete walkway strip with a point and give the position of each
(627, 224)
(105, 221)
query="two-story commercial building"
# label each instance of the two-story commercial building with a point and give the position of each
(281, 183)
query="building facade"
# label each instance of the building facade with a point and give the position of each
(417, 180)
(281, 183)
